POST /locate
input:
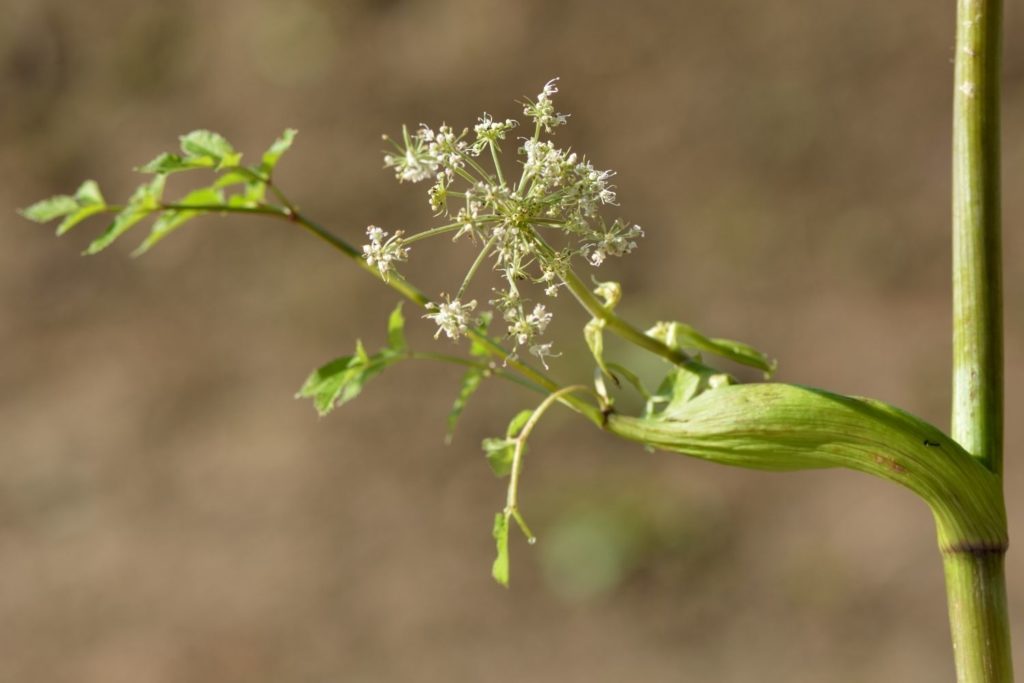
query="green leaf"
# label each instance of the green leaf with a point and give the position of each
(172, 163)
(86, 202)
(396, 329)
(361, 353)
(611, 292)
(676, 335)
(122, 223)
(727, 348)
(200, 145)
(470, 383)
(205, 143)
(500, 568)
(172, 219)
(276, 150)
(685, 383)
(593, 332)
(88, 194)
(253, 193)
(341, 380)
(500, 452)
(77, 217)
(631, 377)
(517, 423)
(338, 382)
(47, 209)
(145, 200)
(90, 202)
(327, 382)
(233, 177)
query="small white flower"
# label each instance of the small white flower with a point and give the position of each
(520, 330)
(543, 351)
(539, 319)
(550, 279)
(452, 317)
(549, 89)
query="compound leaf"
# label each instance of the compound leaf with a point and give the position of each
(172, 219)
(341, 380)
(87, 201)
(338, 382)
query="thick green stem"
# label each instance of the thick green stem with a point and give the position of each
(976, 589)
(975, 582)
(977, 280)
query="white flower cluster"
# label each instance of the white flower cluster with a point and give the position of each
(488, 130)
(384, 253)
(579, 188)
(618, 240)
(413, 164)
(529, 228)
(543, 109)
(426, 151)
(526, 327)
(454, 318)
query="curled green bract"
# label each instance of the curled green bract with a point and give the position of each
(785, 427)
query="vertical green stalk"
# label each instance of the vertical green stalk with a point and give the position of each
(975, 582)
(976, 590)
(977, 278)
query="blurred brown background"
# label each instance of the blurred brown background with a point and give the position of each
(169, 513)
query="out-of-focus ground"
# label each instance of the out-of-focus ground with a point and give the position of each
(169, 513)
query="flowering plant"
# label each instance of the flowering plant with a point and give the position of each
(533, 230)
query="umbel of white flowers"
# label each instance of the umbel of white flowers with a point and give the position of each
(528, 229)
